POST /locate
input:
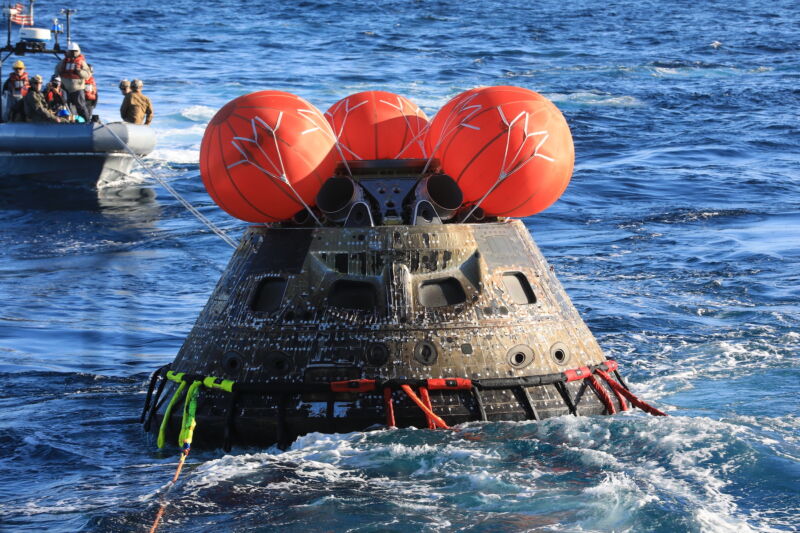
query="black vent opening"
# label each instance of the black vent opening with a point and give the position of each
(519, 290)
(269, 295)
(350, 294)
(441, 292)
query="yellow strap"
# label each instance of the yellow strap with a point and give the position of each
(189, 412)
(226, 384)
(188, 421)
(175, 376)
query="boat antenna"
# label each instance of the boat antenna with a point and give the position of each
(68, 13)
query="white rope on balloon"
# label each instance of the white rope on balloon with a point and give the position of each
(329, 133)
(416, 137)
(338, 134)
(280, 174)
(507, 168)
(452, 123)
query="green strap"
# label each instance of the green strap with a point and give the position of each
(167, 412)
(189, 412)
(188, 421)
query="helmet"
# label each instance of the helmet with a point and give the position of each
(56, 78)
(19, 64)
(62, 112)
(73, 47)
(137, 83)
(124, 84)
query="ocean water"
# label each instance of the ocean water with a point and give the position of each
(678, 240)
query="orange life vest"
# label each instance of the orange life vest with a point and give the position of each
(52, 95)
(19, 84)
(72, 66)
(91, 89)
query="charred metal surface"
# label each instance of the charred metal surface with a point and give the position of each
(309, 305)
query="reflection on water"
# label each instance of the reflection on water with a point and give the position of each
(134, 205)
(134, 201)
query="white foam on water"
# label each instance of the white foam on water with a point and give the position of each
(176, 155)
(593, 98)
(196, 130)
(665, 71)
(614, 500)
(635, 461)
(199, 113)
(691, 447)
(712, 360)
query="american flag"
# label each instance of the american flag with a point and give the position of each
(18, 17)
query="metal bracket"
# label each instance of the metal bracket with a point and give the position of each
(424, 214)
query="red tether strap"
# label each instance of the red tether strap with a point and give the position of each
(353, 385)
(603, 393)
(423, 393)
(575, 374)
(388, 404)
(430, 414)
(611, 366)
(647, 408)
(449, 384)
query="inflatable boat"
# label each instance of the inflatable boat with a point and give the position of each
(71, 154)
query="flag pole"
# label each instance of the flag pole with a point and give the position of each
(8, 10)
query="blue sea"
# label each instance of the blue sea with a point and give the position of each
(678, 240)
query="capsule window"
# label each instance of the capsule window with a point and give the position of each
(518, 288)
(269, 295)
(441, 292)
(350, 294)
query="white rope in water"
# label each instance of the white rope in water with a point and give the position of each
(200, 216)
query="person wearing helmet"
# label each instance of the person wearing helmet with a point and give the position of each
(136, 107)
(74, 72)
(14, 89)
(36, 109)
(124, 87)
(90, 91)
(54, 95)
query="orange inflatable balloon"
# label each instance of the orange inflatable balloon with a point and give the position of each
(378, 125)
(507, 144)
(266, 154)
(448, 118)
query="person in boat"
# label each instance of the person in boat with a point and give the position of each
(136, 107)
(14, 90)
(124, 87)
(74, 72)
(55, 95)
(36, 109)
(90, 91)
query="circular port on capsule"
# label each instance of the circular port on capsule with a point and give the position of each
(231, 361)
(278, 363)
(520, 356)
(559, 353)
(376, 354)
(426, 353)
